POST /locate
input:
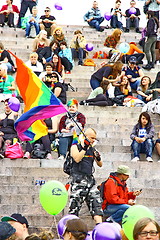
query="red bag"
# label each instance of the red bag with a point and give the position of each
(14, 151)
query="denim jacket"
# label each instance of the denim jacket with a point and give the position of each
(95, 13)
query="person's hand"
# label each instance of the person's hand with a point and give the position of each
(131, 202)
(86, 144)
(65, 131)
(129, 76)
(148, 98)
(97, 156)
(69, 125)
(137, 193)
(1, 133)
(140, 140)
(44, 60)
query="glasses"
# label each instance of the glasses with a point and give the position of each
(46, 10)
(151, 233)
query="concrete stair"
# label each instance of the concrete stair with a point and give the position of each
(18, 192)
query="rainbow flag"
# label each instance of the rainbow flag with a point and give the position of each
(75, 138)
(40, 103)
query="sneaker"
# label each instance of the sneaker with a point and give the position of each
(61, 158)
(149, 159)
(27, 155)
(1, 156)
(126, 30)
(110, 220)
(68, 72)
(138, 31)
(80, 63)
(49, 156)
(101, 29)
(135, 159)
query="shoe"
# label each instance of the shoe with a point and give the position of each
(1, 25)
(68, 72)
(82, 102)
(147, 67)
(49, 156)
(137, 30)
(126, 30)
(1, 156)
(80, 63)
(135, 159)
(61, 158)
(152, 65)
(27, 155)
(101, 29)
(149, 159)
(110, 220)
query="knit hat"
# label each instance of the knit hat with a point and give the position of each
(123, 169)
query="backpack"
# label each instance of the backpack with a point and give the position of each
(68, 164)
(89, 62)
(38, 151)
(102, 185)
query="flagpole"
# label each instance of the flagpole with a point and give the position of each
(76, 124)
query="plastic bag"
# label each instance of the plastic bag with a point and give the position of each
(14, 151)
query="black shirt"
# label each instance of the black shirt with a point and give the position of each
(47, 25)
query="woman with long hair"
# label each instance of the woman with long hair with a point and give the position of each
(108, 72)
(40, 41)
(57, 65)
(155, 88)
(113, 39)
(58, 35)
(142, 137)
(143, 87)
(150, 44)
(144, 227)
(100, 96)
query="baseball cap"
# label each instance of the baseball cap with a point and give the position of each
(17, 218)
(6, 230)
(132, 59)
(123, 169)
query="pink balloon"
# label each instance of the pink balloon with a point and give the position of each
(14, 104)
(62, 223)
(58, 6)
(132, 10)
(107, 16)
(89, 46)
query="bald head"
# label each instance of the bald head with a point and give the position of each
(91, 134)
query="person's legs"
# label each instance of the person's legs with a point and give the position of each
(147, 48)
(128, 23)
(74, 53)
(42, 27)
(116, 211)
(94, 83)
(77, 196)
(64, 144)
(46, 143)
(23, 10)
(134, 85)
(31, 4)
(11, 20)
(141, 98)
(119, 25)
(136, 23)
(37, 28)
(2, 18)
(28, 28)
(53, 26)
(139, 57)
(93, 201)
(80, 55)
(66, 63)
(148, 147)
(153, 51)
(9, 67)
(136, 147)
(114, 21)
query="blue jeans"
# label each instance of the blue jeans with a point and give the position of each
(145, 147)
(64, 145)
(116, 211)
(28, 28)
(142, 98)
(96, 23)
(94, 83)
(78, 53)
(134, 85)
(115, 23)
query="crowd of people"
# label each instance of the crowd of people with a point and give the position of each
(116, 83)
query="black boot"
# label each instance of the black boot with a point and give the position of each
(147, 67)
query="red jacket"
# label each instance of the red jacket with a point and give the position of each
(14, 8)
(116, 192)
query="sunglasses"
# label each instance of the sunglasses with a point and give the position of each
(46, 10)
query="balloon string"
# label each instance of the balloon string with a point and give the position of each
(55, 223)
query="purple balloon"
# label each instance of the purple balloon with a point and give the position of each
(62, 223)
(58, 6)
(14, 104)
(107, 16)
(89, 46)
(89, 236)
(132, 10)
(106, 231)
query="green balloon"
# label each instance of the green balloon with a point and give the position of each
(53, 197)
(131, 216)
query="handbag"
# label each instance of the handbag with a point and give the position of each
(14, 151)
